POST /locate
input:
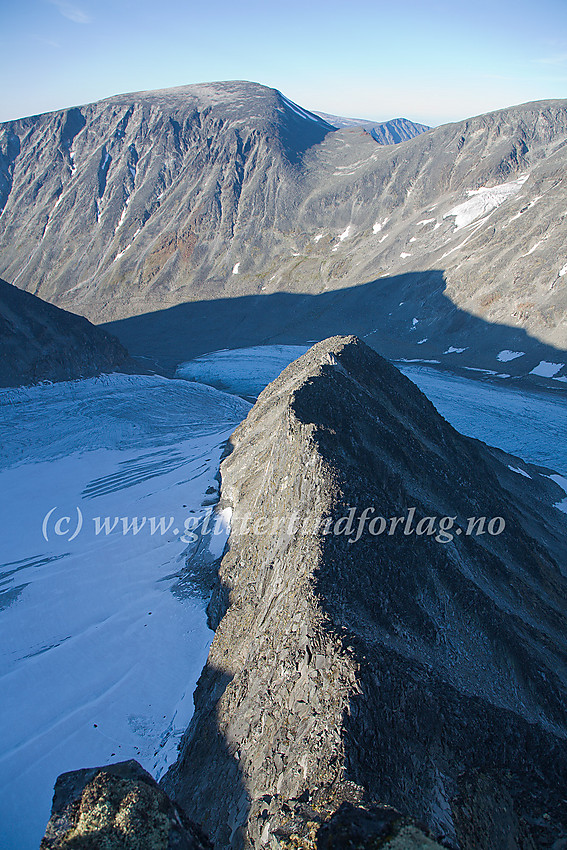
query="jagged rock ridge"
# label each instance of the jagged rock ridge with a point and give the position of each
(41, 342)
(230, 192)
(397, 669)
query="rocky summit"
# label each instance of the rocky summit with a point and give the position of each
(390, 627)
(40, 342)
(225, 215)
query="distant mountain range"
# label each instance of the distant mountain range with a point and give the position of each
(223, 214)
(384, 132)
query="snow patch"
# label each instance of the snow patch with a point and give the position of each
(421, 341)
(519, 471)
(318, 237)
(121, 253)
(404, 255)
(235, 268)
(416, 360)
(105, 161)
(220, 532)
(562, 481)
(483, 201)
(532, 249)
(547, 369)
(506, 355)
(123, 215)
(300, 111)
(563, 271)
(345, 234)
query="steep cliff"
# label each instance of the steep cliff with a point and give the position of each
(417, 663)
(41, 342)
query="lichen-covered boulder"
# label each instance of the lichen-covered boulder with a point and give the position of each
(117, 807)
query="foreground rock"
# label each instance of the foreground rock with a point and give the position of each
(120, 807)
(422, 671)
(117, 807)
(40, 342)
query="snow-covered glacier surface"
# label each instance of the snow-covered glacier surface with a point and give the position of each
(245, 371)
(529, 424)
(101, 638)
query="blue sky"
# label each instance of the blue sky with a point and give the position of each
(433, 62)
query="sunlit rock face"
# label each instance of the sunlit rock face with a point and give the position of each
(117, 807)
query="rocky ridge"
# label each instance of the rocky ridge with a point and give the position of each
(401, 669)
(117, 807)
(40, 342)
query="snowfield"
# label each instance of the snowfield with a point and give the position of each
(245, 371)
(102, 637)
(483, 201)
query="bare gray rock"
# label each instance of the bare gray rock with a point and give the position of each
(404, 668)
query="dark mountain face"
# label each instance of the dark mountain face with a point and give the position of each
(385, 662)
(41, 342)
(229, 192)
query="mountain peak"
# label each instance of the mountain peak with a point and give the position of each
(369, 643)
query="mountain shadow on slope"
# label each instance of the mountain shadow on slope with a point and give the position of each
(407, 316)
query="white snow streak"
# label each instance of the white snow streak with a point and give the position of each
(562, 481)
(519, 471)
